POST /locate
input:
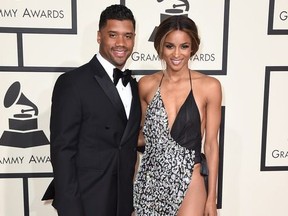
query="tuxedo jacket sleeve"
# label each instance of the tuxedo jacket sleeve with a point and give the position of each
(65, 126)
(93, 146)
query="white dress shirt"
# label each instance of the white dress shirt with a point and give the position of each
(124, 92)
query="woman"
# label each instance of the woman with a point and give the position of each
(180, 106)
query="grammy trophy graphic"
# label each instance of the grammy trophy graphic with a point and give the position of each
(23, 127)
(175, 10)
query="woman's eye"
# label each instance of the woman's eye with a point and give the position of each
(168, 46)
(185, 46)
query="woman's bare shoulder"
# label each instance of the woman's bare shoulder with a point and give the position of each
(206, 80)
(148, 81)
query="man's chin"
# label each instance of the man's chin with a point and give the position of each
(121, 61)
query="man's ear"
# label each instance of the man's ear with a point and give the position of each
(98, 37)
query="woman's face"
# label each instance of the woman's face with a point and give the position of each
(177, 50)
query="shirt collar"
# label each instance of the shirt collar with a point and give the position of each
(107, 65)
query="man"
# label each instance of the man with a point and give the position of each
(94, 127)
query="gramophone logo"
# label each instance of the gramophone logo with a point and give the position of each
(23, 127)
(177, 9)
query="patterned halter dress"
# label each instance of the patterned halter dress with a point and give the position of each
(169, 157)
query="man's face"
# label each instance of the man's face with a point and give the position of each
(116, 41)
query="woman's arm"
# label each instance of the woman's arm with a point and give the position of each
(142, 93)
(147, 86)
(213, 119)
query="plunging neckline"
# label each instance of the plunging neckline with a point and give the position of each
(180, 109)
(170, 128)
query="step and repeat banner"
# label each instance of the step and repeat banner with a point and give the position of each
(243, 44)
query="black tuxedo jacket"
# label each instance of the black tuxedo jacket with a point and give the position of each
(93, 145)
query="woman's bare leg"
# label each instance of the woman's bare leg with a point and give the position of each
(195, 198)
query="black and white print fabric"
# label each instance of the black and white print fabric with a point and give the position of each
(166, 167)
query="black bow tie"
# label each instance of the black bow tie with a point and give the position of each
(125, 76)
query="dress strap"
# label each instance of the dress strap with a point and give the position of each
(190, 79)
(161, 80)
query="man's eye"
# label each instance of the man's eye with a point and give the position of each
(112, 35)
(130, 35)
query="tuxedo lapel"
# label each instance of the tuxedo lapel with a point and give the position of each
(135, 113)
(108, 87)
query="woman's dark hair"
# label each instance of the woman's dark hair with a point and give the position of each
(116, 12)
(172, 23)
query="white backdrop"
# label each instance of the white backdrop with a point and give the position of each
(243, 43)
